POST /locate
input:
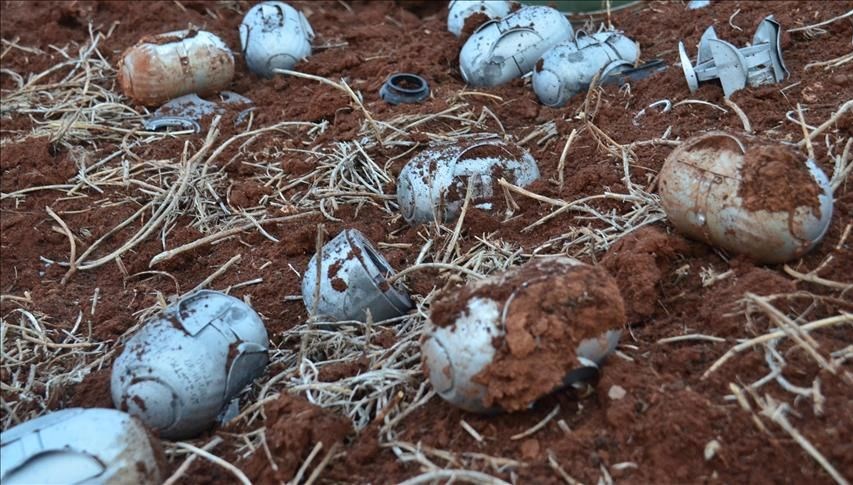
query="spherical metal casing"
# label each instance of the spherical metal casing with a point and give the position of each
(459, 10)
(432, 186)
(352, 280)
(161, 67)
(700, 186)
(274, 35)
(78, 445)
(453, 355)
(568, 69)
(184, 365)
(502, 50)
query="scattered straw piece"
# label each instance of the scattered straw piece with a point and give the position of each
(826, 124)
(747, 127)
(690, 337)
(471, 431)
(305, 464)
(555, 465)
(243, 479)
(537, 426)
(167, 255)
(776, 411)
(173, 479)
(826, 322)
(454, 475)
(561, 167)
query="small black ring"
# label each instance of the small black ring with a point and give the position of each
(394, 90)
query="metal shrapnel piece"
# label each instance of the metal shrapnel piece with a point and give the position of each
(78, 445)
(502, 50)
(187, 111)
(433, 185)
(184, 365)
(353, 279)
(621, 72)
(569, 68)
(459, 10)
(404, 87)
(274, 35)
(755, 65)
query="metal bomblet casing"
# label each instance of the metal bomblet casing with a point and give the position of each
(455, 353)
(701, 187)
(459, 10)
(274, 35)
(77, 445)
(352, 280)
(180, 370)
(502, 50)
(433, 185)
(568, 68)
(164, 66)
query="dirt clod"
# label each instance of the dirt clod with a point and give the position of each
(775, 178)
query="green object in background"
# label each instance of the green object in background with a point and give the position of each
(577, 6)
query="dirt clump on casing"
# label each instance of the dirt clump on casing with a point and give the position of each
(549, 306)
(472, 23)
(775, 179)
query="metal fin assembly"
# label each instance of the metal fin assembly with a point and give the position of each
(757, 64)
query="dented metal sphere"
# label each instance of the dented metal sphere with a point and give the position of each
(77, 445)
(568, 68)
(433, 185)
(184, 365)
(352, 280)
(502, 50)
(161, 67)
(459, 10)
(274, 35)
(486, 318)
(719, 188)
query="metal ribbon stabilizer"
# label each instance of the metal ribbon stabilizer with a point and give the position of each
(760, 63)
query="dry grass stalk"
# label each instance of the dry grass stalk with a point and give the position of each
(814, 29)
(41, 359)
(836, 320)
(776, 411)
(238, 474)
(541, 424)
(555, 465)
(181, 470)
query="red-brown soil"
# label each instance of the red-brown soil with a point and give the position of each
(669, 416)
